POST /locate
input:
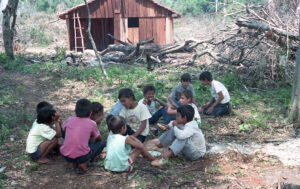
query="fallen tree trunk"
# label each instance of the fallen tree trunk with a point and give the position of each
(252, 24)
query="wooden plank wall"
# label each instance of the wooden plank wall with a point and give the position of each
(98, 9)
(133, 35)
(169, 30)
(153, 27)
(99, 29)
(124, 29)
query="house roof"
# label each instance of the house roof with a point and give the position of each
(62, 15)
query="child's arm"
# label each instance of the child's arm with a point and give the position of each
(131, 140)
(57, 128)
(93, 139)
(207, 104)
(160, 102)
(172, 102)
(182, 134)
(141, 129)
(221, 97)
(171, 110)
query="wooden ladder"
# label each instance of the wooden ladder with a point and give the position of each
(76, 28)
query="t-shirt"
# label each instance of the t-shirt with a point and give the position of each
(152, 107)
(192, 131)
(134, 117)
(178, 89)
(78, 132)
(196, 114)
(117, 153)
(215, 88)
(116, 109)
(38, 134)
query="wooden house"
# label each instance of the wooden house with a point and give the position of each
(128, 20)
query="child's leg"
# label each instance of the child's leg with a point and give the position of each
(220, 109)
(167, 138)
(46, 147)
(176, 147)
(96, 148)
(135, 153)
(155, 117)
(83, 166)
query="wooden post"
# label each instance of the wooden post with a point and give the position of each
(69, 33)
(117, 19)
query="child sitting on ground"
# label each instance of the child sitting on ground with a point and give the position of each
(42, 105)
(219, 104)
(119, 156)
(97, 112)
(151, 102)
(136, 115)
(174, 100)
(188, 139)
(178, 89)
(80, 130)
(42, 137)
(186, 97)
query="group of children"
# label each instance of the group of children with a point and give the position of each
(128, 126)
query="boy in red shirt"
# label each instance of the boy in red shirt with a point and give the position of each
(80, 129)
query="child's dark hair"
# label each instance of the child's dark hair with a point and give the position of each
(96, 107)
(45, 115)
(127, 93)
(205, 75)
(115, 124)
(186, 111)
(188, 94)
(42, 105)
(186, 77)
(108, 118)
(148, 87)
(83, 108)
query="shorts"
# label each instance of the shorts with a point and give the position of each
(37, 154)
(130, 166)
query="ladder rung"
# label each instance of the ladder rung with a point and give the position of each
(79, 27)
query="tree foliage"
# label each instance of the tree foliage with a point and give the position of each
(51, 6)
(196, 7)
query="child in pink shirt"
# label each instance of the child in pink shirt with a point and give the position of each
(80, 129)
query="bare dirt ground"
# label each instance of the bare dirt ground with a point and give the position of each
(228, 170)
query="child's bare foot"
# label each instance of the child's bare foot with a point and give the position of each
(73, 165)
(103, 155)
(163, 126)
(158, 162)
(45, 161)
(83, 167)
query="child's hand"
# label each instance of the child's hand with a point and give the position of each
(145, 101)
(175, 123)
(210, 110)
(56, 117)
(154, 99)
(204, 106)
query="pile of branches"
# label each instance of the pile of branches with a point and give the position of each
(261, 43)
(146, 51)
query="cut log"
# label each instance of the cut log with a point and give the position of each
(260, 26)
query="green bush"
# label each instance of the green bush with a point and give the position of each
(11, 65)
(39, 36)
